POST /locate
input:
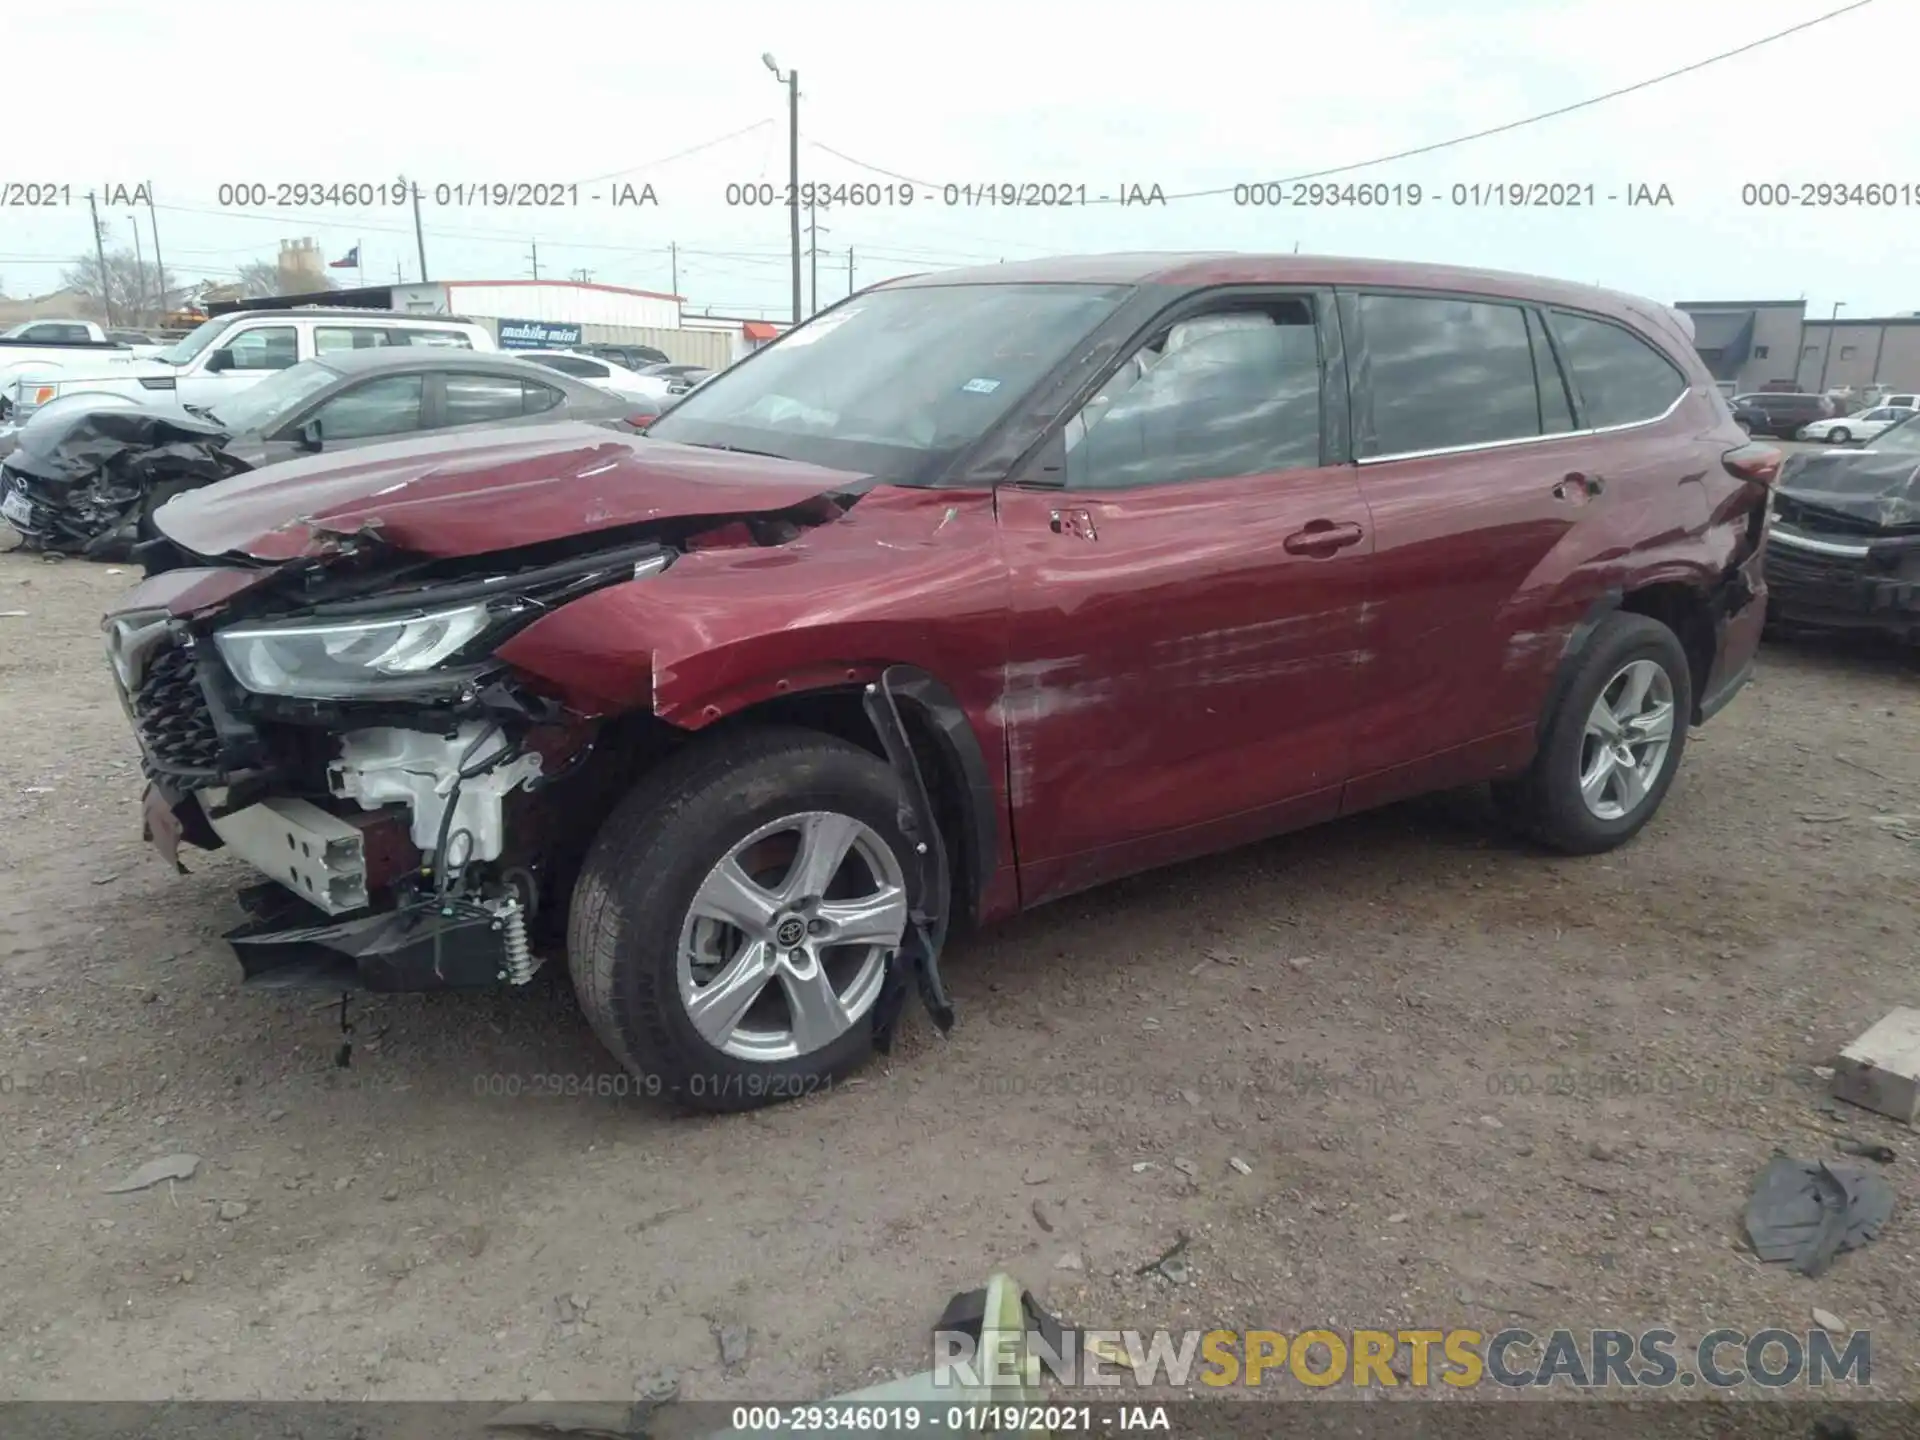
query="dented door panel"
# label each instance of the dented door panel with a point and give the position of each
(1183, 680)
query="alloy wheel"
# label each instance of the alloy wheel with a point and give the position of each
(787, 941)
(1628, 734)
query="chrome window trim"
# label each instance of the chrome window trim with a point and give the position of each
(1795, 541)
(1529, 439)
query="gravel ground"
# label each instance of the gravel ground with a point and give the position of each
(1377, 1021)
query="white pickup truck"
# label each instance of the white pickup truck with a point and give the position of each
(219, 358)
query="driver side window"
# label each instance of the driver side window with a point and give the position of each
(1212, 397)
(390, 406)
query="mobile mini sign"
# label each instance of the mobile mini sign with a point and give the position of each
(537, 335)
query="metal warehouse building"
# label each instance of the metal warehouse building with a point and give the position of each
(554, 313)
(1757, 342)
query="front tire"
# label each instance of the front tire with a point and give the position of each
(1612, 748)
(1839, 436)
(736, 917)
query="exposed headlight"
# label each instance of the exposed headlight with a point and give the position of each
(349, 659)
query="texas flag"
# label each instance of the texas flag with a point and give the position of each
(348, 261)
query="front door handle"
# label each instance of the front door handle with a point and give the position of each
(1072, 522)
(1321, 538)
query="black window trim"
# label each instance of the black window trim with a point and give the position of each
(1349, 299)
(1042, 464)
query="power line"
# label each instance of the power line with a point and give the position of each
(680, 154)
(1439, 144)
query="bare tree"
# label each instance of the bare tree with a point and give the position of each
(261, 278)
(136, 291)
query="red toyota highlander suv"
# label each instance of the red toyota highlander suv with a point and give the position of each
(977, 589)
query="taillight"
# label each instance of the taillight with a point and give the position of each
(1756, 464)
(43, 393)
(640, 422)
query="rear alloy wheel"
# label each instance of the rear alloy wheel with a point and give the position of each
(1612, 747)
(735, 920)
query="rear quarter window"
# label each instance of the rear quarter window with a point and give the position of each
(1622, 380)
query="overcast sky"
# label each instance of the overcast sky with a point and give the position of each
(1194, 95)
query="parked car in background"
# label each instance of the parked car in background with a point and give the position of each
(84, 476)
(616, 379)
(1779, 414)
(231, 352)
(1863, 425)
(634, 357)
(1112, 557)
(58, 332)
(680, 378)
(1843, 549)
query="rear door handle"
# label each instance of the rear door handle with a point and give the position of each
(1322, 538)
(1578, 488)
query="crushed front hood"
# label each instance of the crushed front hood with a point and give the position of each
(445, 496)
(1880, 490)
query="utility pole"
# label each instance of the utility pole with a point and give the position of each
(1826, 351)
(792, 81)
(673, 262)
(100, 256)
(583, 276)
(419, 235)
(849, 270)
(396, 273)
(159, 266)
(139, 264)
(813, 260)
(535, 253)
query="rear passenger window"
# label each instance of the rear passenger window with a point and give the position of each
(1621, 378)
(452, 339)
(539, 397)
(328, 338)
(1447, 373)
(473, 399)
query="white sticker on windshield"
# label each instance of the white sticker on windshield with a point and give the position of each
(814, 329)
(981, 387)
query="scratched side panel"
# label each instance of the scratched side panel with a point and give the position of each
(909, 576)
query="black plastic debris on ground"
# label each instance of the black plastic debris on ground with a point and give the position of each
(1809, 1211)
(93, 477)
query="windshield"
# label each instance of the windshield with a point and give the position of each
(895, 383)
(268, 404)
(195, 340)
(1901, 439)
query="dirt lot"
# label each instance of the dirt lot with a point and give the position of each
(1376, 1019)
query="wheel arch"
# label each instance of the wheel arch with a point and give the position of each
(945, 745)
(1677, 599)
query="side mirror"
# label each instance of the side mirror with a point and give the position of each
(218, 361)
(310, 437)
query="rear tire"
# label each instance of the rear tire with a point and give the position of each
(1549, 802)
(644, 946)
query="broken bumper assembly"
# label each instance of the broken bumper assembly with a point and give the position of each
(454, 945)
(1851, 584)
